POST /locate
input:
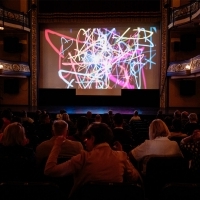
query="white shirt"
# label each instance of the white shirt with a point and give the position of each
(158, 146)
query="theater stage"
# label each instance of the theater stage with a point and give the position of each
(81, 110)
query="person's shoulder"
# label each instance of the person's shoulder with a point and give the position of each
(43, 144)
(73, 142)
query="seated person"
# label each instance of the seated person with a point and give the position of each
(158, 143)
(89, 117)
(25, 118)
(71, 125)
(176, 134)
(69, 148)
(17, 160)
(122, 135)
(99, 163)
(190, 147)
(97, 119)
(6, 117)
(160, 115)
(44, 128)
(81, 126)
(135, 117)
(192, 124)
(184, 119)
(59, 115)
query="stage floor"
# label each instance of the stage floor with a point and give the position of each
(99, 109)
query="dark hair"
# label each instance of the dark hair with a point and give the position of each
(101, 132)
(7, 113)
(176, 124)
(82, 123)
(118, 118)
(43, 117)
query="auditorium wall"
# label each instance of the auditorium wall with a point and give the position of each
(14, 96)
(176, 54)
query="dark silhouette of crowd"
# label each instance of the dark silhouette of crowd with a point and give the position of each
(106, 147)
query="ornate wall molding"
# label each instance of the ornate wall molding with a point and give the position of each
(98, 17)
(33, 56)
(184, 14)
(14, 69)
(14, 19)
(164, 36)
(181, 68)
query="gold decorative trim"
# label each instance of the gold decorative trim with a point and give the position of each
(164, 36)
(98, 17)
(34, 58)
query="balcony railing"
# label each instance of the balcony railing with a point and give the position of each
(180, 69)
(184, 14)
(14, 19)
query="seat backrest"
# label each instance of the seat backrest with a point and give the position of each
(181, 190)
(110, 191)
(30, 190)
(165, 168)
(160, 170)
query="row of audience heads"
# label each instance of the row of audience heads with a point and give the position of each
(157, 127)
(14, 133)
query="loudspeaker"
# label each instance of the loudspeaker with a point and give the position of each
(11, 86)
(176, 46)
(187, 87)
(12, 45)
(188, 42)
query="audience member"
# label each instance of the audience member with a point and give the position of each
(59, 115)
(17, 160)
(190, 147)
(37, 117)
(160, 115)
(192, 124)
(168, 121)
(177, 114)
(44, 128)
(122, 135)
(97, 119)
(176, 133)
(158, 143)
(25, 118)
(89, 117)
(68, 149)
(135, 116)
(105, 118)
(6, 117)
(81, 125)
(111, 115)
(184, 119)
(71, 125)
(98, 163)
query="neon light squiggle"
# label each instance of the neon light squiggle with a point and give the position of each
(100, 58)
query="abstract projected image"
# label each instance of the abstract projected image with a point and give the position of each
(117, 57)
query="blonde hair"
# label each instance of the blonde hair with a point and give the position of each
(158, 128)
(14, 134)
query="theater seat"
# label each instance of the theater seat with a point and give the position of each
(30, 191)
(160, 170)
(181, 190)
(110, 191)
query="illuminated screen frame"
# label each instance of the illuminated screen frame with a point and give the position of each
(93, 57)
